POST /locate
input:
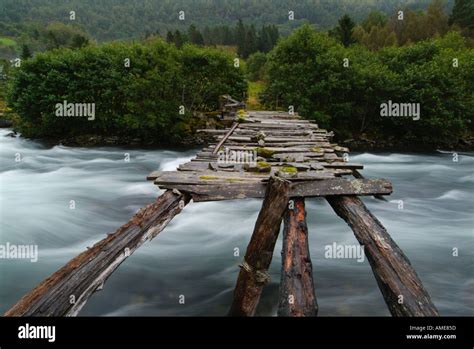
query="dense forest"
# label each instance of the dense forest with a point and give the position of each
(338, 76)
(121, 19)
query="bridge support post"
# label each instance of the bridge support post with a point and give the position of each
(253, 274)
(400, 285)
(297, 296)
(66, 291)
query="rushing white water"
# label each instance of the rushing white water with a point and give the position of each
(194, 255)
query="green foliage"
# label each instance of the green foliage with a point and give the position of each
(256, 65)
(344, 30)
(59, 35)
(376, 32)
(374, 19)
(7, 42)
(463, 14)
(25, 52)
(195, 36)
(307, 70)
(140, 101)
(121, 19)
(7, 48)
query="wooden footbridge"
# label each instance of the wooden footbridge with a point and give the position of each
(271, 155)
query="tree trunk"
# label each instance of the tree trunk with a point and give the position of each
(297, 296)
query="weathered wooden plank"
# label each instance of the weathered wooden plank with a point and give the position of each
(87, 272)
(253, 274)
(227, 135)
(274, 126)
(297, 295)
(204, 166)
(335, 186)
(400, 285)
(278, 133)
(276, 150)
(213, 131)
(209, 177)
(359, 175)
(289, 121)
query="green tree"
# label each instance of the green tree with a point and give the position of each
(374, 19)
(241, 38)
(141, 101)
(79, 41)
(251, 44)
(256, 66)
(179, 38)
(25, 52)
(344, 30)
(195, 36)
(308, 70)
(169, 37)
(59, 35)
(463, 14)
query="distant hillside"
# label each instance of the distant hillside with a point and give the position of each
(121, 19)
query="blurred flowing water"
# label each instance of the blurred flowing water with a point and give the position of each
(194, 255)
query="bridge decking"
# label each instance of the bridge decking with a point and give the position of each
(279, 144)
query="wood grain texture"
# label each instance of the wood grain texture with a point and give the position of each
(260, 248)
(297, 295)
(227, 135)
(400, 285)
(244, 190)
(87, 272)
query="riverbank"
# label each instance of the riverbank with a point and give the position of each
(199, 139)
(393, 145)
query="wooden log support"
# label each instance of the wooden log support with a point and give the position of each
(66, 291)
(297, 296)
(400, 285)
(253, 273)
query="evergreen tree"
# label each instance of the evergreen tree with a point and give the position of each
(195, 36)
(208, 37)
(463, 14)
(250, 41)
(263, 39)
(227, 36)
(179, 38)
(25, 52)
(169, 37)
(240, 38)
(344, 30)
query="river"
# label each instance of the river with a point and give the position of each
(194, 255)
